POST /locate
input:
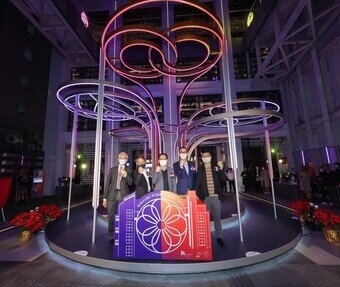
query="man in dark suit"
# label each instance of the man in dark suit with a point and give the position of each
(208, 189)
(116, 188)
(141, 178)
(185, 171)
(164, 177)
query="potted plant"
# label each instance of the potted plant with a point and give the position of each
(35, 220)
(49, 212)
(330, 223)
(29, 223)
(301, 209)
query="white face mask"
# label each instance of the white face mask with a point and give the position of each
(206, 159)
(163, 162)
(183, 155)
(122, 161)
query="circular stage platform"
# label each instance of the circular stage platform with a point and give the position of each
(264, 238)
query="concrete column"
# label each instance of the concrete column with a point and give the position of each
(248, 65)
(258, 53)
(169, 92)
(304, 107)
(55, 125)
(291, 142)
(321, 96)
(110, 155)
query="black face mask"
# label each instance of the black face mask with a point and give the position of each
(142, 165)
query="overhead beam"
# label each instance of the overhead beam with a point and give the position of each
(321, 31)
(279, 40)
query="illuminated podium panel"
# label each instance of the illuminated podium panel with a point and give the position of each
(162, 226)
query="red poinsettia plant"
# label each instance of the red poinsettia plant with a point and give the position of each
(326, 218)
(49, 212)
(35, 220)
(28, 221)
(301, 207)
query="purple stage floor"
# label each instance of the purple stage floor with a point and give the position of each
(262, 234)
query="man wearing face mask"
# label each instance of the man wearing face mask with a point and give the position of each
(116, 188)
(141, 179)
(164, 177)
(185, 172)
(208, 189)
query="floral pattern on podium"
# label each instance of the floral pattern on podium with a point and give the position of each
(162, 226)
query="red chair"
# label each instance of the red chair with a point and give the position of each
(5, 191)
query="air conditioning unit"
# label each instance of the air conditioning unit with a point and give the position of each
(33, 135)
(11, 139)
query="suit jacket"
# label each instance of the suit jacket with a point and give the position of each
(201, 182)
(185, 181)
(141, 185)
(110, 193)
(158, 181)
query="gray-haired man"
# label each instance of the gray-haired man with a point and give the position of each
(116, 188)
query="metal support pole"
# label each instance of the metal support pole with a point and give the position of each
(228, 101)
(171, 109)
(111, 161)
(98, 146)
(196, 158)
(145, 148)
(72, 156)
(269, 157)
(320, 90)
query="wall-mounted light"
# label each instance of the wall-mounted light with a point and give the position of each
(84, 19)
(83, 166)
(250, 18)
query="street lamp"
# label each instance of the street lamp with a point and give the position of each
(82, 168)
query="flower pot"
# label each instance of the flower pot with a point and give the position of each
(24, 235)
(331, 235)
(303, 218)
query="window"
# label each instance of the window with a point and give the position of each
(128, 251)
(30, 29)
(129, 238)
(200, 228)
(24, 81)
(129, 214)
(21, 109)
(28, 54)
(129, 226)
(200, 217)
(201, 240)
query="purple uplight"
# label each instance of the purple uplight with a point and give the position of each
(327, 153)
(303, 157)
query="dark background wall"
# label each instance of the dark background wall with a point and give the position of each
(25, 62)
